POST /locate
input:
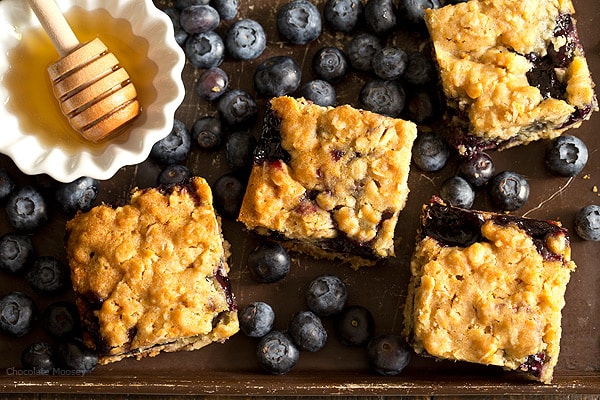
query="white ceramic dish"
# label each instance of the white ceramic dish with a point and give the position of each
(34, 156)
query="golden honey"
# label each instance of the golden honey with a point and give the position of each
(30, 95)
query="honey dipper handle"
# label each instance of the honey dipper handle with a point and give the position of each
(55, 25)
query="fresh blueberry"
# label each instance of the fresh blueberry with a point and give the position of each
(180, 34)
(228, 192)
(175, 147)
(361, 49)
(239, 149)
(343, 15)
(509, 190)
(78, 195)
(382, 97)
(181, 4)
(477, 169)
(26, 209)
(212, 83)
(413, 11)
(17, 314)
(199, 18)
(227, 9)
(256, 319)
(422, 105)
(7, 184)
(326, 295)
(277, 353)
(380, 16)
(319, 92)
(245, 39)
(173, 174)
(354, 326)
(207, 132)
(61, 320)
(457, 192)
(388, 354)
(299, 21)
(330, 64)
(389, 63)
(75, 356)
(587, 222)
(39, 357)
(48, 275)
(430, 151)
(205, 50)
(269, 262)
(16, 252)
(237, 108)
(307, 331)
(420, 70)
(566, 155)
(277, 76)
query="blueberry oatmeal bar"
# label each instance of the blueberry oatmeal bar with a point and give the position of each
(512, 71)
(151, 275)
(488, 288)
(329, 181)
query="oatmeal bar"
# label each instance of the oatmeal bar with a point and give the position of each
(488, 288)
(329, 181)
(512, 71)
(151, 276)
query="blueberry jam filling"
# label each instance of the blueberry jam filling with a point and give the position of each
(269, 145)
(534, 364)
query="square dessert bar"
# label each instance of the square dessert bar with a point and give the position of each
(488, 288)
(329, 181)
(151, 275)
(512, 71)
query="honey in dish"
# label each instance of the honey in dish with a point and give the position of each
(30, 95)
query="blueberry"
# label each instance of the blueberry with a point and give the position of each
(430, 151)
(173, 174)
(277, 76)
(380, 16)
(7, 184)
(175, 147)
(326, 295)
(382, 97)
(509, 190)
(207, 132)
(413, 11)
(587, 222)
(269, 262)
(205, 49)
(228, 192)
(457, 192)
(61, 320)
(26, 209)
(181, 4)
(307, 331)
(199, 18)
(354, 326)
(422, 105)
(227, 9)
(17, 314)
(330, 64)
(237, 108)
(420, 70)
(361, 49)
(299, 21)
(180, 34)
(256, 319)
(48, 275)
(75, 356)
(477, 169)
(277, 353)
(343, 15)
(319, 92)
(245, 39)
(239, 149)
(39, 357)
(78, 195)
(212, 83)
(388, 354)
(16, 252)
(389, 63)
(566, 155)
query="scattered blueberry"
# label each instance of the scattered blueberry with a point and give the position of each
(78, 195)
(420, 70)
(430, 151)
(48, 275)
(180, 34)
(319, 92)
(566, 155)
(361, 49)
(227, 9)
(207, 132)
(173, 174)
(61, 320)
(422, 106)
(26, 209)
(239, 149)
(256, 319)
(16, 252)
(245, 39)
(75, 356)
(509, 190)
(587, 222)
(326, 295)
(7, 184)
(228, 192)
(237, 108)
(39, 357)
(383, 97)
(388, 354)
(212, 83)
(307, 331)
(181, 4)
(269, 262)
(457, 192)
(330, 64)
(205, 49)
(299, 21)
(277, 353)
(343, 15)
(277, 76)
(199, 18)
(354, 326)
(17, 314)
(380, 16)
(389, 63)
(413, 11)
(175, 147)
(477, 169)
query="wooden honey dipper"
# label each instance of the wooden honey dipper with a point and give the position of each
(95, 93)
